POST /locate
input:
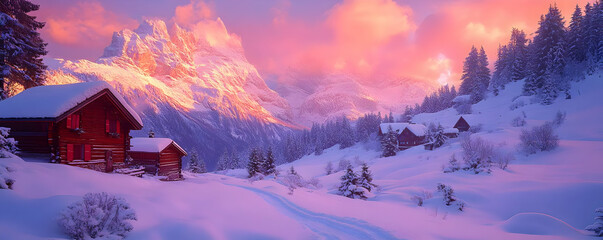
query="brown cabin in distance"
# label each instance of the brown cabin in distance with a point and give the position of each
(462, 125)
(82, 124)
(161, 156)
(407, 134)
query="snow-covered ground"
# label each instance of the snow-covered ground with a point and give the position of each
(548, 195)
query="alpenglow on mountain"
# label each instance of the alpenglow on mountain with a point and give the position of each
(195, 86)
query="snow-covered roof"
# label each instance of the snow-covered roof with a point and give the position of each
(450, 130)
(397, 127)
(461, 99)
(153, 145)
(53, 100)
(417, 129)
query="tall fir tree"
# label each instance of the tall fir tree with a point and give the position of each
(223, 162)
(21, 48)
(196, 165)
(255, 162)
(575, 47)
(518, 54)
(365, 180)
(476, 75)
(268, 165)
(389, 143)
(550, 35)
(346, 134)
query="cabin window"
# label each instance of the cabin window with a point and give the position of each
(112, 124)
(73, 121)
(79, 152)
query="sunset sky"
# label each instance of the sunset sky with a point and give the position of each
(422, 40)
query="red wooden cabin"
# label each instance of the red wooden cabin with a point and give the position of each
(160, 156)
(462, 124)
(82, 124)
(408, 134)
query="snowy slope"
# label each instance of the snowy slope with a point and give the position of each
(549, 195)
(190, 85)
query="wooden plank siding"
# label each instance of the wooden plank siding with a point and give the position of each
(94, 132)
(170, 161)
(32, 136)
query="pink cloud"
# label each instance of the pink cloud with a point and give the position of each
(193, 12)
(84, 24)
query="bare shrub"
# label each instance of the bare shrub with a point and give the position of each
(449, 197)
(477, 153)
(294, 181)
(518, 122)
(329, 168)
(98, 216)
(559, 119)
(420, 198)
(502, 159)
(539, 138)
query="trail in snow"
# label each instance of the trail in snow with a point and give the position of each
(326, 226)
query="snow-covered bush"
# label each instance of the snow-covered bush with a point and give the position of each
(98, 216)
(420, 198)
(293, 181)
(477, 153)
(539, 138)
(463, 108)
(6, 182)
(517, 104)
(597, 227)
(366, 178)
(7, 145)
(476, 128)
(453, 165)
(435, 135)
(559, 119)
(389, 143)
(329, 168)
(448, 196)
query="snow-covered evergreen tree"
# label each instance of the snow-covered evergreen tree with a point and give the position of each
(223, 162)
(268, 165)
(234, 160)
(7, 145)
(366, 178)
(22, 47)
(329, 168)
(435, 135)
(255, 162)
(476, 75)
(389, 143)
(98, 216)
(196, 165)
(597, 227)
(574, 43)
(348, 187)
(346, 134)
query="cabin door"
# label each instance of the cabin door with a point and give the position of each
(109, 161)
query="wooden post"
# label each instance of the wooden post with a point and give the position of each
(109, 161)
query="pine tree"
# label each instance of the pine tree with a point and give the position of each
(366, 178)
(476, 75)
(517, 54)
(575, 46)
(597, 227)
(234, 161)
(389, 143)
(548, 41)
(348, 187)
(346, 134)
(223, 162)
(22, 48)
(255, 162)
(268, 165)
(292, 171)
(194, 165)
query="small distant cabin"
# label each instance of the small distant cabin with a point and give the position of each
(408, 134)
(161, 156)
(463, 124)
(82, 124)
(451, 132)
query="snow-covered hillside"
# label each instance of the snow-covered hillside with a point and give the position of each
(190, 85)
(548, 195)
